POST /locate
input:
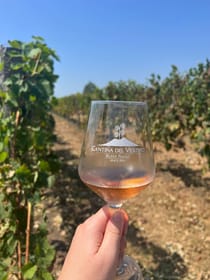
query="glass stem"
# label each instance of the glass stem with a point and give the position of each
(121, 268)
(115, 205)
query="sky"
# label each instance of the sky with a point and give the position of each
(100, 41)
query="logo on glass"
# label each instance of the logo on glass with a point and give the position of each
(120, 140)
(119, 148)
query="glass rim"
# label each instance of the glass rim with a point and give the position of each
(118, 101)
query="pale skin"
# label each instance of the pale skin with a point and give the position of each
(97, 247)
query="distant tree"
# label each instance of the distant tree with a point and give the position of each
(89, 88)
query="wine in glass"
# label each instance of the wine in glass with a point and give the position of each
(117, 159)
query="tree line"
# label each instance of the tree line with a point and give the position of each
(179, 105)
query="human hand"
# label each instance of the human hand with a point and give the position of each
(97, 247)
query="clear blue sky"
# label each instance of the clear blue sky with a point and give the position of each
(112, 40)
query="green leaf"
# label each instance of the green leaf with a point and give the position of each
(1, 66)
(16, 66)
(29, 271)
(15, 44)
(46, 86)
(44, 165)
(4, 227)
(3, 156)
(34, 53)
(23, 172)
(51, 181)
(2, 95)
(38, 38)
(1, 146)
(10, 242)
(36, 176)
(47, 276)
(4, 275)
(32, 98)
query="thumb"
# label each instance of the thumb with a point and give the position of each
(113, 235)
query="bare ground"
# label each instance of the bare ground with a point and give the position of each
(169, 230)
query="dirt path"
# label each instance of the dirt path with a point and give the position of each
(169, 231)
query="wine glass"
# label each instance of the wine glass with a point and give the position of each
(117, 158)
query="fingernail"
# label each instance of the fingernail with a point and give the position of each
(118, 220)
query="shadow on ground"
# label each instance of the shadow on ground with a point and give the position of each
(164, 265)
(189, 176)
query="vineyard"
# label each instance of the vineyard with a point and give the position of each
(179, 105)
(27, 164)
(42, 199)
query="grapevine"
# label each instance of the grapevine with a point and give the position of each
(27, 164)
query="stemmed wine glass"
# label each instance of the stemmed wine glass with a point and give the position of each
(117, 158)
